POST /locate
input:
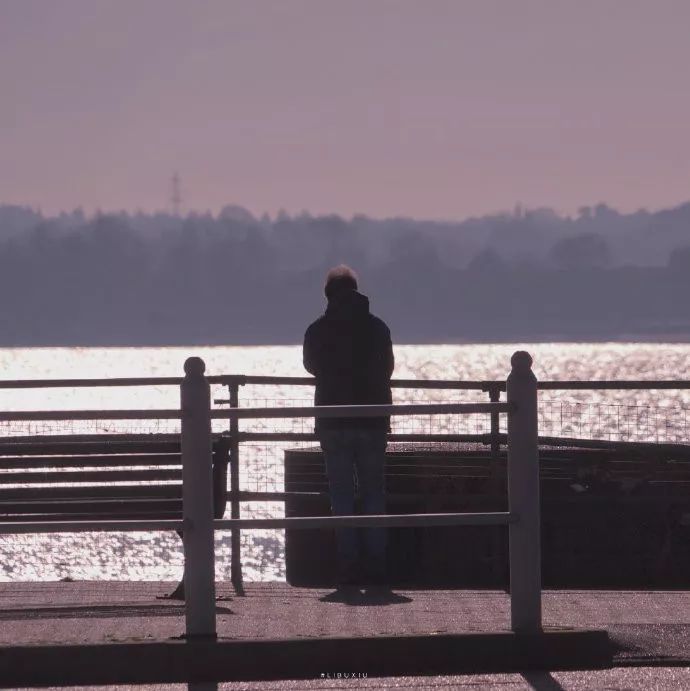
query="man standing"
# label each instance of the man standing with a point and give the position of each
(349, 351)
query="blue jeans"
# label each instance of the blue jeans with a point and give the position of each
(361, 451)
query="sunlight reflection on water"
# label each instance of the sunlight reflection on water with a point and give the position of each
(158, 556)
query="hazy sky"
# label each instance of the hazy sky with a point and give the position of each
(438, 109)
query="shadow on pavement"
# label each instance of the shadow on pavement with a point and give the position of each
(98, 612)
(542, 681)
(369, 597)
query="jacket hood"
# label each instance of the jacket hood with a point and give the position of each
(349, 305)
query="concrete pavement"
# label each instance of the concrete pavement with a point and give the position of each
(646, 628)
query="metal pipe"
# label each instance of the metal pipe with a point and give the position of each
(381, 521)
(79, 383)
(241, 380)
(470, 385)
(18, 415)
(260, 380)
(15, 528)
(337, 411)
(310, 436)
(295, 522)
(668, 447)
(284, 412)
(613, 384)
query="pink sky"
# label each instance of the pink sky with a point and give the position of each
(436, 109)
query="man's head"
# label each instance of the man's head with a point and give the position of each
(340, 279)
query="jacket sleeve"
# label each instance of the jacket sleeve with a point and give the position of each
(309, 352)
(388, 350)
(384, 348)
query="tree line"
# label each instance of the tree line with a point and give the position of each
(231, 278)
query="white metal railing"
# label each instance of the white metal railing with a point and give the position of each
(522, 519)
(334, 411)
(198, 524)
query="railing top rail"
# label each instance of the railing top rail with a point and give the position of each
(120, 381)
(614, 384)
(474, 384)
(279, 412)
(336, 411)
(242, 380)
(395, 383)
(229, 379)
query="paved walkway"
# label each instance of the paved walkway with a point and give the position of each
(647, 628)
(625, 679)
(645, 624)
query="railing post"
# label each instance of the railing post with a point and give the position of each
(197, 502)
(523, 496)
(236, 534)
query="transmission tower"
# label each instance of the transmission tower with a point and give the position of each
(175, 194)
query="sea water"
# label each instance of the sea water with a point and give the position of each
(645, 415)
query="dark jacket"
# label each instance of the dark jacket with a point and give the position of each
(350, 353)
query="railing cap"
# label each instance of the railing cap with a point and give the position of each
(194, 367)
(521, 361)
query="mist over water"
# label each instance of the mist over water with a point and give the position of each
(645, 415)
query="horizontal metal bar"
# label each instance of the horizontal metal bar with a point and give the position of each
(112, 381)
(395, 383)
(310, 436)
(281, 412)
(301, 522)
(423, 438)
(614, 384)
(468, 385)
(79, 383)
(241, 380)
(383, 521)
(230, 379)
(167, 414)
(607, 444)
(338, 411)
(39, 445)
(275, 436)
(88, 526)
(281, 497)
(613, 445)
(147, 438)
(245, 495)
(105, 492)
(26, 462)
(33, 477)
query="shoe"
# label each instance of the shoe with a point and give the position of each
(376, 579)
(348, 576)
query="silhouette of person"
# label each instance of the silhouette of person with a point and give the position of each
(349, 352)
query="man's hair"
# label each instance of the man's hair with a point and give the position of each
(340, 279)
